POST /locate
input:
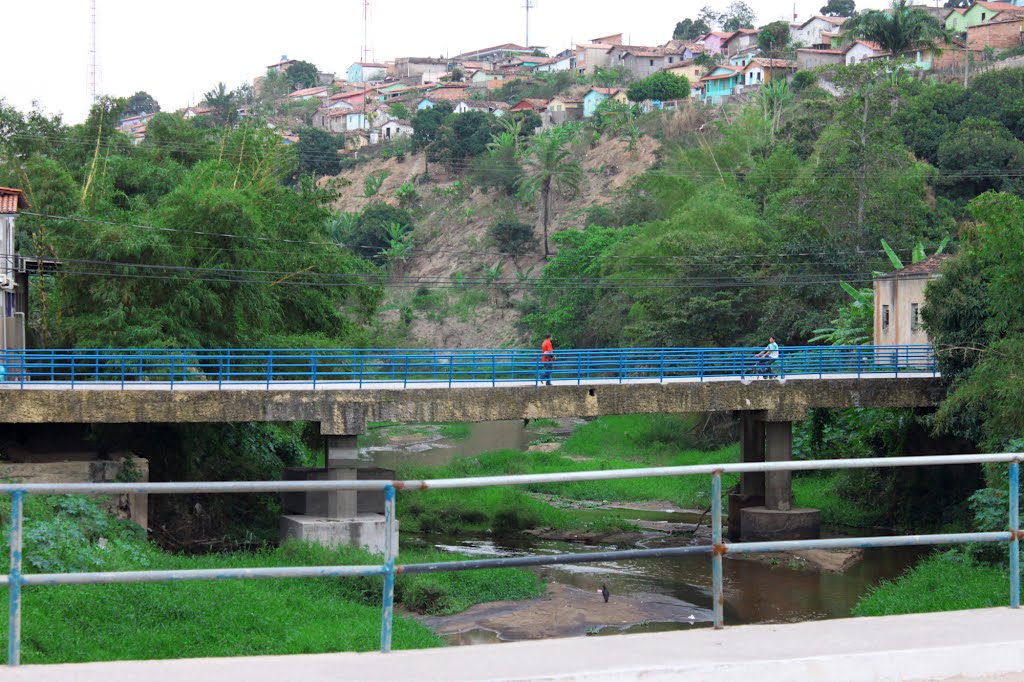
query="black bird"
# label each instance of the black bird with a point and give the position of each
(605, 593)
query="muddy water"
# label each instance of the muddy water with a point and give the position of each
(431, 449)
(756, 591)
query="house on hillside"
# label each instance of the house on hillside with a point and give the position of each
(712, 42)
(281, 65)
(982, 12)
(810, 33)
(530, 104)
(417, 67)
(563, 108)
(331, 120)
(590, 57)
(722, 82)
(689, 70)
(1001, 34)
(320, 92)
(390, 129)
(763, 70)
(13, 280)
(592, 100)
(810, 58)
(641, 62)
(426, 103)
(366, 72)
(899, 299)
(743, 39)
(451, 92)
(497, 53)
(861, 50)
(565, 62)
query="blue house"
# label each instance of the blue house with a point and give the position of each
(364, 72)
(721, 83)
(592, 100)
(426, 103)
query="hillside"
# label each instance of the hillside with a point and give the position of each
(452, 220)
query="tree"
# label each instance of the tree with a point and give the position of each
(399, 110)
(141, 103)
(224, 104)
(550, 167)
(457, 75)
(736, 16)
(899, 29)
(273, 87)
(302, 75)
(977, 156)
(773, 38)
(839, 8)
(689, 29)
(512, 237)
(662, 86)
(318, 152)
(375, 230)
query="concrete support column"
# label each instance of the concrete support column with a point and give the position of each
(751, 493)
(778, 448)
(342, 458)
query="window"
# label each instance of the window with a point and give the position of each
(915, 317)
(885, 318)
(671, 60)
(652, 62)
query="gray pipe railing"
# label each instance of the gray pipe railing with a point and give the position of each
(16, 578)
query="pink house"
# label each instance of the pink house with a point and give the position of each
(714, 41)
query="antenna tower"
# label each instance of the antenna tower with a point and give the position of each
(365, 52)
(92, 51)
(528, 6)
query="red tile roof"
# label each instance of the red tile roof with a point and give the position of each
(1000, 6)
(928, 266)
(11, 200)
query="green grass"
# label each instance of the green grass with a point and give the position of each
(456, 431)
(821, 490)
(72, 623)
(608, 443)
(949, 581)
(543, 424)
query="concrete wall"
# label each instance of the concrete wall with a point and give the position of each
(347, 411)
(134, 507)
(900, 296)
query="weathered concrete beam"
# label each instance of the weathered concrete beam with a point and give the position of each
(347, 411)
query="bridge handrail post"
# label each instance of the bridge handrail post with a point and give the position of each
(14, 580)
(700, 364)
(717, 587)
(494, 370)
(220, 371)
(405, 378)
(743, 366)
(821, 363)
(122, 371)
(1015, 529)
(782, 363)
(579, 368)
(312, 367)
(172, 372)
(359, 364)
(451, 369)
(270, 366)
(620, 367)
(24, 368)
(859, 360)
(388, 598)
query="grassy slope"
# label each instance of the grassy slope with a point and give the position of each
(609, 443)
(944, 582)
(220, 618)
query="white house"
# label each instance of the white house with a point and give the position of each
(366, 72)
(861, 50)
(13, 318)
(809, 32)
(392, 129)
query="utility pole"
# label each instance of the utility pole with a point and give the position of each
(365, 52)
(92, 53)
(528, 6)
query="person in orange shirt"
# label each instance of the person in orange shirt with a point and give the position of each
(547, 359)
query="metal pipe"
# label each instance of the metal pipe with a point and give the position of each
(198, 574)
(388, 601)
(1015, 530)
(863, 543)
(487, 481)
(553, 559)
(717, 587)
(15, 581)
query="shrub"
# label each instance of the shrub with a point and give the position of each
(509, 520)
(803, 80)
(513, 238)
(373, 183)
(373, 229)
(600, 216)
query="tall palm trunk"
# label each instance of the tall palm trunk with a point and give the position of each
(546, 191)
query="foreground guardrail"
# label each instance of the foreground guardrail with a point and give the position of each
(448, 367)
(16, 578)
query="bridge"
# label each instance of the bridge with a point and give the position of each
(345, 389)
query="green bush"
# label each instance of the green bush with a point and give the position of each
(371, 234)
(513, 238)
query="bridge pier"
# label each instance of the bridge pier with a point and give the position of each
(763, 509)
(342, 517)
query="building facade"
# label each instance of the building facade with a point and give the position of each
(899, 300)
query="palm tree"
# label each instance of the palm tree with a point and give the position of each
(899, 29)
(224, 104)
(550, 167)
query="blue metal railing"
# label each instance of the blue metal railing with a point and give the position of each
(16, 578)
(364, 367)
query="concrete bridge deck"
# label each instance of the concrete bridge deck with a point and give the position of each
(344, 408)
(978, 644)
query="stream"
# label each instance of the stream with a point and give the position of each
(649, 596)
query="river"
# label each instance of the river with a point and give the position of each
(757, 590)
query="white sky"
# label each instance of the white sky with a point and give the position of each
(178, 50)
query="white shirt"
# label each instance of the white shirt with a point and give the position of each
(772, 349)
